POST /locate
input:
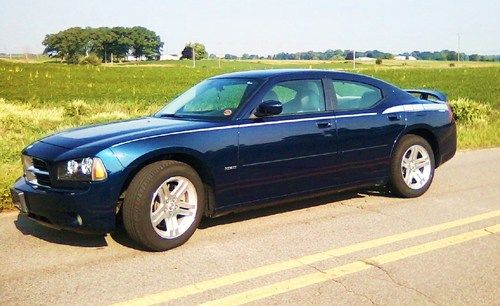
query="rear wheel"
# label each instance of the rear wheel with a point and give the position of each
(412, 167)
(163, 205)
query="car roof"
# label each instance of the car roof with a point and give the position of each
(308, 73)
(269, 73)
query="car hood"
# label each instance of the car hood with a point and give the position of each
(105, 135)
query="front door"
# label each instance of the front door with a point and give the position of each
(289, 153)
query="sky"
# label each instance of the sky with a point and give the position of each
(266, 26)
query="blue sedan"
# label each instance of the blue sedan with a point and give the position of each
(233, 142)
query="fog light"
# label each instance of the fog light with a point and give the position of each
(79, 220)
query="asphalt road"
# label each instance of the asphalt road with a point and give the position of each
(352, 248)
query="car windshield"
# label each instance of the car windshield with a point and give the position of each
(213, 98)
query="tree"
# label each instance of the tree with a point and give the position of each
(145, 43)
(74, 43)
(122, 43)
(68, 44)
(102, 41)
(199, 50)
(230, 57)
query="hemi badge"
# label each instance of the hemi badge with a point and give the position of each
(230, 168)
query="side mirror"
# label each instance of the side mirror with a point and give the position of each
(268, 108)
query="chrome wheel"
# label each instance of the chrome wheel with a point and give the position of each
(416, 167)
(173, 207)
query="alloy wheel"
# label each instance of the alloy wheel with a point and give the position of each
(416, 167)
(173, 207)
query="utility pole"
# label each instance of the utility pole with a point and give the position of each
(354, 59)
(219, 61)
(194, 57)
(458, 47)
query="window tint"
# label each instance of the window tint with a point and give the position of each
(352, 96)
(215, 98)
(226, 97)
(301, 96)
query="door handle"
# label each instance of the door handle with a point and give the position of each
(394, 117)
(324, 124)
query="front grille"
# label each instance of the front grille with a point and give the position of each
(40, 164)
(43, 179)
(38, 173)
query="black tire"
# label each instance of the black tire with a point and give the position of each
(396, 181)
(137, 204)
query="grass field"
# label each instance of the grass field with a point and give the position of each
(40, 98)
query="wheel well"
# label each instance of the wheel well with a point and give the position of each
(190, 160)
(431, 139)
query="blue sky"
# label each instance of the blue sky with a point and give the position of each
(267, 26)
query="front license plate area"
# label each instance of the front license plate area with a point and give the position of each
(19, 201)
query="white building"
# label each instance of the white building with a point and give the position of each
(365, 58)
(174, 57)
(405, 58)
(163, 57)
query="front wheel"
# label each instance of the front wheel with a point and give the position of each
(163, 205)
(412, 167)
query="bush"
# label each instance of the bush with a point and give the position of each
(77, 108)
(470, 112)
(91, 59)
(378, 61)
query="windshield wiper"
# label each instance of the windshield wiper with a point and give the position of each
(169, 116)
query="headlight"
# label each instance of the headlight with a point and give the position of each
(83, 169)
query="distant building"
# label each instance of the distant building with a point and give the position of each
(405, 58)
(365, 58)
(174, 57)
(163, 57)
(131, 58)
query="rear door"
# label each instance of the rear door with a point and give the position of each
(365, 134)
(292, 152)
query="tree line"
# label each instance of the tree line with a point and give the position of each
(107, 44)
(338, 54)
(104, 44)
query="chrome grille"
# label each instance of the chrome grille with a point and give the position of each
(40, 164)
(37, 172)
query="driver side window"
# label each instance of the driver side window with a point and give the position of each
(298, 96)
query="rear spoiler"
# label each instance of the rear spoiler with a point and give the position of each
(430, 95)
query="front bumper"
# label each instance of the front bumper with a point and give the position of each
(92, 210)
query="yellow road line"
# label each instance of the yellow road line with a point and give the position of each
(353, 267)
(176, 293)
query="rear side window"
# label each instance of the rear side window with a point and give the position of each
(298, 96)
(353, 95)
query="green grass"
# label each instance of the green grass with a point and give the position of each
(37, 99)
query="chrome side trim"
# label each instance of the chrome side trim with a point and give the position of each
(355, 115)
(367, 148)
(416, 108)
(288, 159)
(438, 107)
(244, 126)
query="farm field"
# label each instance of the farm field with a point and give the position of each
(39, 98)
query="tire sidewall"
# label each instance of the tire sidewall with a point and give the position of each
(396, 177)
(142, 204)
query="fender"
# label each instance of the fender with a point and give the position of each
(423, 130)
